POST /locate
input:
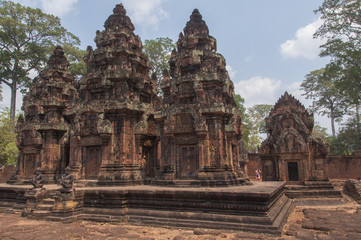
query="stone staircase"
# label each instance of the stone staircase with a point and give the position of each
(313, 189)
(43, 209)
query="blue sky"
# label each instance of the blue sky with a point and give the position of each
(268, 45)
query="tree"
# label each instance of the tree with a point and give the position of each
(347, 140)
(159, 50)
(319, 86)
(8, 149)
(342, 29)
(254, 125)
(240, 104)
(75, 57)
(27, 37)
(320, 132)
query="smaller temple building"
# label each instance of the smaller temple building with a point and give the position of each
(290, 152)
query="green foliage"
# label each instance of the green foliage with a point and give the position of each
(159, 50)
(347, 140)
(320, 86)
(75, 57)
(8, 149)
(320, 132)
(240, 104)
(258, 114)
(1, 92)
(253, 123)
(27, 37)
(342, 29)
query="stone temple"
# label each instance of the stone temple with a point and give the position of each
(111, 127)
(123, 152)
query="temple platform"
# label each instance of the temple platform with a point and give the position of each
(261, 207)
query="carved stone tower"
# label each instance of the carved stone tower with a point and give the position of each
(291, 153)
(199, 125)
(114, 131)
(43, 136)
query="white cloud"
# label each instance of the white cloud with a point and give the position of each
(304, 45)
(145, 12)
(231, 72)
(58, 7)
(55, 7)
(258, 90)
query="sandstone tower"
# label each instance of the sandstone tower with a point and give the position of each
(200, 125)
(43, 136)
(114, 129)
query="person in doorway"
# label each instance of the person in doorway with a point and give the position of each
(258, 174)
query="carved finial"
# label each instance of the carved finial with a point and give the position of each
(58, 51)
(180, 37)
(196, 16)
(119, 9)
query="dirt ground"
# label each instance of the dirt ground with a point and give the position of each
(311, 219)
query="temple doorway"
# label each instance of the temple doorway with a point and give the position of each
(188, 162)
(149, 161)
(293, 171)
(30, 162)
(92, 163)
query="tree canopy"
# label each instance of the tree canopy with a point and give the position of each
(320, 86)
(159, 50)
(8, 148)
(27, 37)
(342, 29)
(253, 119)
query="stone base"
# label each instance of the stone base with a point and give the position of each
(200, 183)
(260, 207)
(115, 174)
(312, 189)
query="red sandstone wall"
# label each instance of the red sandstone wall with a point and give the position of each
(254, 162)
(339, 167)
(6, 172)
(344, 167)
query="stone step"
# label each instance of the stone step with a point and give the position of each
(49, 201)
(46, 207)
(41, 213)
(319, 193)
(86, 183)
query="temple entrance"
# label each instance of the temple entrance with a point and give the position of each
(29, 166)
(188, 162)
(149, 161)
(92, 163)
(293, 171)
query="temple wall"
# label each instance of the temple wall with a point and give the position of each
(6, 172)
(254, 162)
(344, 167)
(338, 167)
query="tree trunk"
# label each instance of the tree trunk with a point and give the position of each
(358, 128)
(13, 101)
(332, 123)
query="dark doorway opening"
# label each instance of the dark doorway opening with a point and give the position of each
(93, 162)
(30, 162)
(293, 171)
(188, 163)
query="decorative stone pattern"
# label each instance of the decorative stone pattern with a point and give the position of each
(200, 125)
(353, 187)
(114, 129)
(290, 152)
(111, 128)
(43, 136)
